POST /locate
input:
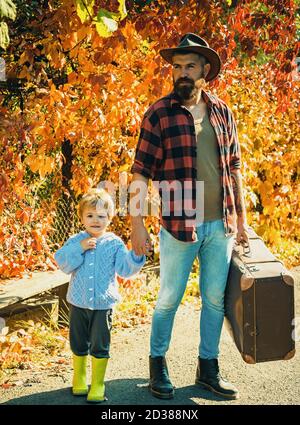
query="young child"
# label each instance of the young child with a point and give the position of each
(94, 257)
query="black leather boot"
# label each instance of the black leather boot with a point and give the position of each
(208, 377)
(160, 384)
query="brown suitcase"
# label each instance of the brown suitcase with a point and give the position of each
(259, 304)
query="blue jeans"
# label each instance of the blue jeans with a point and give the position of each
(214, 251)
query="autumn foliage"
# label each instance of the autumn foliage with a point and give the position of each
(87, 77)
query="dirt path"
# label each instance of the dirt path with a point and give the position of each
(265, 383)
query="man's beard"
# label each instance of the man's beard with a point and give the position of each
(186, 91)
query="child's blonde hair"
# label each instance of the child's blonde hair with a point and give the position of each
(98, 198)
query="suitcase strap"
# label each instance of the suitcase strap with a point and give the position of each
(254, 267)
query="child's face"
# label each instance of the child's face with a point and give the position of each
(95, 221)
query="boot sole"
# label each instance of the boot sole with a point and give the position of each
(97, 401)
(80, 393)
(161, 395)
(211, 389)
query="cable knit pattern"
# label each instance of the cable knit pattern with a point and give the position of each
(93, 283)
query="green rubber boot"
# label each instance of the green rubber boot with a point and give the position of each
(79, 386)
(97, 390)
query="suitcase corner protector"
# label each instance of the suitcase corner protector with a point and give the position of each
(246, 282)
(248, 359)
(287, 278)
(290, 355)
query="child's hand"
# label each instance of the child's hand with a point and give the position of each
(88, 243)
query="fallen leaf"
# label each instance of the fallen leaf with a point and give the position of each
(6, 386)
(5, 330)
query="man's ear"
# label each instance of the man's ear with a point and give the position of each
(206, 69)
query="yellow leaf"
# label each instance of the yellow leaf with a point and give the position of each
(41, 163)
(4, 37)
(17, 347)
(122, 9)
(47, 166)
(106, 23)
(33, 162)
(274, 236)
(85, 9)
(124, 167)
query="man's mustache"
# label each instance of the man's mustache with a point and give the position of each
(184, 80)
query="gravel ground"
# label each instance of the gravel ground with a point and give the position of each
(126, 379)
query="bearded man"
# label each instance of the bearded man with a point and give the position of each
(186, 137)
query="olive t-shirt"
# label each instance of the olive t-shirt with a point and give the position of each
(208, 168)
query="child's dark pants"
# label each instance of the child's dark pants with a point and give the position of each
(90, 331)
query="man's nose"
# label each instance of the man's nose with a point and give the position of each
(184, 73)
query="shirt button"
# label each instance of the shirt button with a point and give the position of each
(91, 299)
(92, 253)
(91, 264)
(91, 277)
(91, 289)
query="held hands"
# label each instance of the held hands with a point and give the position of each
(88, 243)
(140, 241)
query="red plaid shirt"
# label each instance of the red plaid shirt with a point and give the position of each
(166, 151)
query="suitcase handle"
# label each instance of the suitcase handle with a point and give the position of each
(246, 249)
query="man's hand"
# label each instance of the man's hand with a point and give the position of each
(88, 243)
(242, 233)
(140, 240)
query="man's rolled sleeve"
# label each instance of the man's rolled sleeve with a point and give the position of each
(149, 152)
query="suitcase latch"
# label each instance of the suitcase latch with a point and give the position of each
(253, 269)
